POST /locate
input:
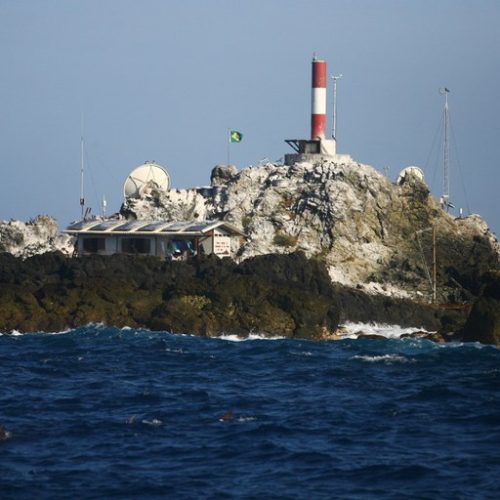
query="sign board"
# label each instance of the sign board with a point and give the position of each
(222, 245)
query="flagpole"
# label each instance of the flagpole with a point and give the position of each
(228, 138)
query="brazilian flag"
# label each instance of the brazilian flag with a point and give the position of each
(235, 136)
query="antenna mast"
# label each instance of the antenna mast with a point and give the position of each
(334, 123)
(82, 197)
(445, 199)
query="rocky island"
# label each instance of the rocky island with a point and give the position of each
(325, 242)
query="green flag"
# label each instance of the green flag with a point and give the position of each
(235, 136)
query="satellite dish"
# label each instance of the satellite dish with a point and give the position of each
(146, 176)
(408, 172)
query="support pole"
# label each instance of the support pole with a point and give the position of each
(434, 265)
(82, 197)
(334, 121)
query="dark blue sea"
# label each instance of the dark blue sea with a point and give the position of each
(101, 412)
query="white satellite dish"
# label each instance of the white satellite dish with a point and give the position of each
(146, 176)
(411, 171)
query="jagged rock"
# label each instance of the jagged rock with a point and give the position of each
(433, 336)
(222, 174)
(371, 336)
(286, 295)
(483, 323)
(39, 235)
(172, 205)
(370, 233)
(358, 306)
(366, 229)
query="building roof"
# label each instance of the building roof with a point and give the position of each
(149, 227)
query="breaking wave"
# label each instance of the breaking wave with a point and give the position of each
(384, 358)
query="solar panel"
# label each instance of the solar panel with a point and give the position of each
(104, 226)
(153, 226)
(146, 226)
(175, 227)
(128, 226)
(77, 226)
(200, 226)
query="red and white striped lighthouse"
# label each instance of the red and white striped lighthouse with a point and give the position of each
(318, 105)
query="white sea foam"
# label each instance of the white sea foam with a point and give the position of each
(15, 333)
(175, 351)
(251, 336)
(388, 359)
(353, 330)
(154, 422)
(301, 353)
(60, 333)
(95, 326)
(246, 419)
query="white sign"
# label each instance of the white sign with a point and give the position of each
(222, 245)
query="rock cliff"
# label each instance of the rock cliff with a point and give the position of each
(286, 295)
(371, 235)
(370, 232)
(39, 235)
(483, 323)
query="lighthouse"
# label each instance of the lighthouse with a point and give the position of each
(318, 99)
(318, 147)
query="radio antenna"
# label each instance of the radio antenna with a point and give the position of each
(445, 198)
(82, 197)
(334, 122)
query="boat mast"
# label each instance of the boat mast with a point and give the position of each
(445, 199)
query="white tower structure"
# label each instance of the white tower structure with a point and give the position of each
(445, 198)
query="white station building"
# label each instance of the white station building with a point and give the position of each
(170, 240)
(164, 239)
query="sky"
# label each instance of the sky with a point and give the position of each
(164, 80)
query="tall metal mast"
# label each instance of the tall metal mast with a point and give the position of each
(446, 181)
(334, 121)
(82, 197)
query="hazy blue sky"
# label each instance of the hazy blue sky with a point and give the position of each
(163, 80)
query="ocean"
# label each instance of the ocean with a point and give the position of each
(101, 412)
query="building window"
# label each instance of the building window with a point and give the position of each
(136, 245)
(94, 245)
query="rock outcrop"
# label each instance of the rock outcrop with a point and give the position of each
(39, 235)
(369, 232)
(373, 236)
(483, 323)
(286, 295)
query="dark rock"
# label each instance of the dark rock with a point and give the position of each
(221, 174)
(356, 305)
(287, 295)
(436, 337)
(433, 336)
(483, 323)
(371, 336)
